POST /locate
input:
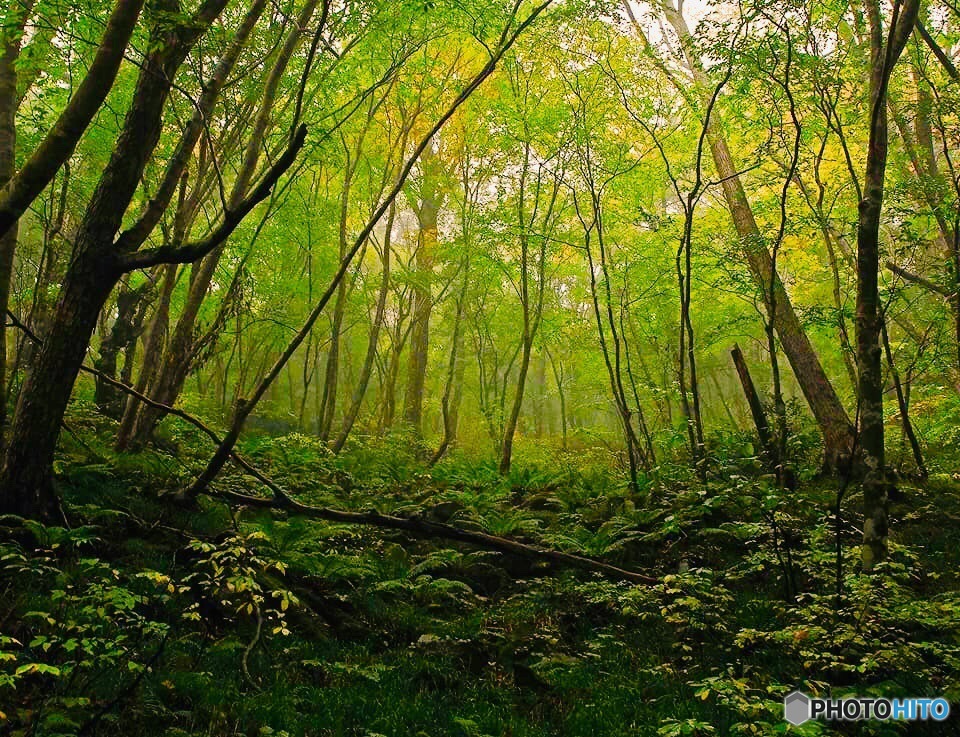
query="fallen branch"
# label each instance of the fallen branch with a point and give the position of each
(420, 527)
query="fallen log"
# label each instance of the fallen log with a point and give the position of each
(423, 528)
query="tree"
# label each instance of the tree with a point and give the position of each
(18, 189)
(832, 418)
(883, 58)
(102, 255)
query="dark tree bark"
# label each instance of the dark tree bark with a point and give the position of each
(876, 485)
(58, 144)
(98, 263)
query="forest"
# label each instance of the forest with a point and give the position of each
(474, 368)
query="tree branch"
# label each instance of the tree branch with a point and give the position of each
(171, 254)
(918, 280)
(419, 527)
(938, 52)
(60, 141)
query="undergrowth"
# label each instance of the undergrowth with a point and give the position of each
(147, 618)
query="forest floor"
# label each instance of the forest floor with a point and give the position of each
(148, 618)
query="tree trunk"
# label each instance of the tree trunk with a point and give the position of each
(767, 447)
(48, 273)
(540, 397)
(26, 481)
(422, 298)
(903, 404)
(510, 429)
(126, 329)
(876, 486)
(176, 362)
(152, 353)
(832, 418)
(531, 301)
(557, 368)
(350, 416)
(612, 364)
(450, 403)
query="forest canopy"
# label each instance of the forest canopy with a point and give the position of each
(476, 366)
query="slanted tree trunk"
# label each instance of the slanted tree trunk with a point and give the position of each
(832, 418)
(768, 448)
